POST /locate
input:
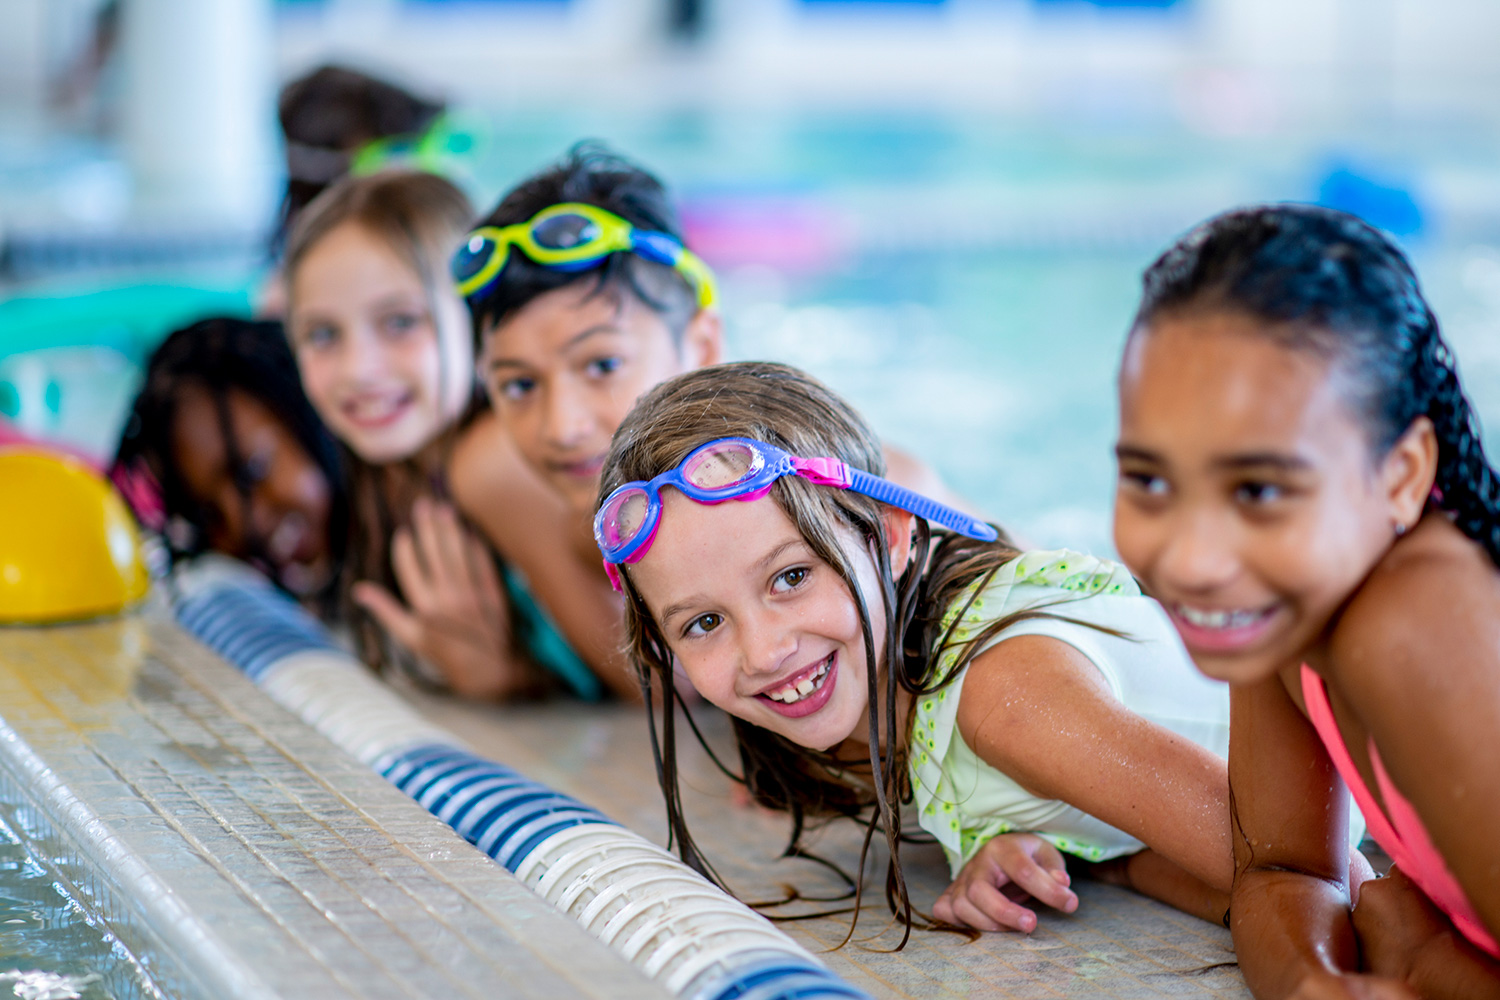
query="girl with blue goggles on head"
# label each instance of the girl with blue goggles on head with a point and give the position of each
(1033, 710)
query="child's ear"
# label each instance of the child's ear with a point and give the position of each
(703, 340)
(898, 528)
(1408, 471)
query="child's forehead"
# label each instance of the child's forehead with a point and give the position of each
(560, 314)
(1204, 379)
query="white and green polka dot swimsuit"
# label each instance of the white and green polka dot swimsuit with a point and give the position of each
(963, 801)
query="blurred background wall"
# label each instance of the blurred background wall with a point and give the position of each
(940, 206)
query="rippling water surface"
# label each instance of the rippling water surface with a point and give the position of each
(48, 948)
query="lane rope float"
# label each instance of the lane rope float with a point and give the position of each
(631, 894)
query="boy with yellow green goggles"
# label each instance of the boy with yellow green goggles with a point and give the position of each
(570, 237)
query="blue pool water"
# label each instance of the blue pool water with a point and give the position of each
(967, 281)
(49, 949)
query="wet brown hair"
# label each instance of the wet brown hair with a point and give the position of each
(784, 407)
(422, 218)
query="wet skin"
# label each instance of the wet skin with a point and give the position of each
(274, 506)
(390, 369)
(563, 372)
(561, 375)
(386, 369)
(749, 611)
(1252, 504)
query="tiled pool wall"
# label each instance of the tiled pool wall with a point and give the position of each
(234, 852)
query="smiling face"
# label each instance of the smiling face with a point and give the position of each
(563, 371)
(763, 628)
(1248, 501)
(273, 505)
(386, 369)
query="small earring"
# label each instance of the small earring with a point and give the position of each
(1400, 529)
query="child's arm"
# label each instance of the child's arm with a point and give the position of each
(1039, 710)
(1415, 658)
(533, 530)
(1290, 905)
(1155, 875)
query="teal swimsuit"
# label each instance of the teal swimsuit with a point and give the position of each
(543, 642)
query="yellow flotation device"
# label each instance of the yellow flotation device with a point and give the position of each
(69, 549)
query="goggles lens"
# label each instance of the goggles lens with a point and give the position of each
(564, 232)
(472, 257)
(721, 465)
(622, 519)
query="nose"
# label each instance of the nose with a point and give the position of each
(568, 420)
(766, 643)
(1199, 553)
(359, 357)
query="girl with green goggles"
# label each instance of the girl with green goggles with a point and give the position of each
(571, 237)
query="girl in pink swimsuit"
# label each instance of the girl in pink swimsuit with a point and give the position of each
(1303, 487)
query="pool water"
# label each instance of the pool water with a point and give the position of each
(49, 947)
(966, 281)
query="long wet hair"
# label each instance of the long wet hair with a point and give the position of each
(218, 355)
(422, 218)
(1324, 281)
(787, 408)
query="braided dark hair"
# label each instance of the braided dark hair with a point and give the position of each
(1325, 281)
(218, 355)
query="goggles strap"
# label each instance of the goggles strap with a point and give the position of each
(823, 471)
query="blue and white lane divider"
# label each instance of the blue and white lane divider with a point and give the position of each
(658, 913)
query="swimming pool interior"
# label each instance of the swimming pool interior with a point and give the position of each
(966, 281)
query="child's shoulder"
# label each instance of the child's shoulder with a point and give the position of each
(1433, 598)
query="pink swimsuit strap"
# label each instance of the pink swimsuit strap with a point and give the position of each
(1402, 835)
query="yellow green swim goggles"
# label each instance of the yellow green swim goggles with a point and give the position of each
(573, 237)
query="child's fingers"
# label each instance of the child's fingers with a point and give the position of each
(434, 547)
(482, 571)
(390, 613)
(1041, 883)
(411, 574)
(984, 907)
(450, 540)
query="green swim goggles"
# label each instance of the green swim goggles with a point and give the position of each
(573, 237)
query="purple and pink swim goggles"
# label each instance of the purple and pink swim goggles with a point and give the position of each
(742, 469)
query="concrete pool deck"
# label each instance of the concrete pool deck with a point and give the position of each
(1118, 945)
(234, 852)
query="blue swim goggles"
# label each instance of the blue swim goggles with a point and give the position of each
(742, 469)
(573, 236)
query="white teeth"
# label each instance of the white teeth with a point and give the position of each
(1217, 619)
(374, 408)
(793, 693)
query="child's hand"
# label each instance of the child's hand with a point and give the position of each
(1335, 986)
(456, 616)
(1007, 869)
(1394, 919)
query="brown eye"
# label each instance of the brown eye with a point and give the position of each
(791, 579)
(703, 624)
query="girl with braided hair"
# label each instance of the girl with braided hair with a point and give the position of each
(222, 452)
(1303, 487)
